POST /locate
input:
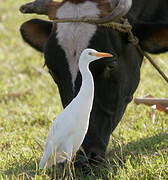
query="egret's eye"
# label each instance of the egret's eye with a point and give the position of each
(90, 54)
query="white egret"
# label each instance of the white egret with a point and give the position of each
(70, 127)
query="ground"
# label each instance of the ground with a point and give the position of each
(29, 102)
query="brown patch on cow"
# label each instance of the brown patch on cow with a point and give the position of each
(160, 38)
(52, 8)
(81, 1)
(103, 5)
(34, 34)
(105, 8)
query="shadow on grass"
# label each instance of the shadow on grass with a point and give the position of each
(144, 146)
(18, 170)
(118, 153)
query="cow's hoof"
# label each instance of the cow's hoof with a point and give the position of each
(86, 163)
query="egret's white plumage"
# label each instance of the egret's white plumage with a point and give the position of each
(69, 129)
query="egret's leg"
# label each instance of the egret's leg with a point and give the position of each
(67, 170)
(69, 159)
(72, 165)
(69, 173)
(53, 173)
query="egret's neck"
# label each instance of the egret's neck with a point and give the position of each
(87, 87)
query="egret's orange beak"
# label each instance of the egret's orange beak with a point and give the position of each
(102, 54)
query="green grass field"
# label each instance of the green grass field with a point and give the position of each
(29, 101)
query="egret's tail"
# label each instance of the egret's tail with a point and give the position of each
(43, 162)
(46, 162)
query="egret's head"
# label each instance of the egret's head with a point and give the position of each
(91, 55)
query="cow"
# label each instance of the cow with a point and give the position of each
(115, 80)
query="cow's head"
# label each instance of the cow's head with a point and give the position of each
(41, 30)
(115, 83)
(115, 80)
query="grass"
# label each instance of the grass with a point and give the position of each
(29, 101)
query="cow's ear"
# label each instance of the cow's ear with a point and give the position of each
(36, 32)
(153, 39)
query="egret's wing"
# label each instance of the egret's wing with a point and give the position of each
(60, 131)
